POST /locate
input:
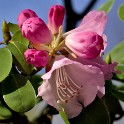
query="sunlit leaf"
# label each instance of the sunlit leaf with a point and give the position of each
(121, 12)
(18, 50)
(4, 112)
(95, 113)
(117, 55)
(5, 63)
(107, 6)
(17, 37)
(13, 27)
(18, 93)
(63, 114)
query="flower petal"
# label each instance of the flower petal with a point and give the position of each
(98, 62)
(94, 21)
(80, 81)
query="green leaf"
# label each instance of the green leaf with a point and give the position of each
(18, 93)
(63, 114)
(121, 12)
(18, 50)
(95, 113)
(13, 27)
(4, 112)
(36, 82)
(116, 53)
(17, 37)
(117, 56)
(107, 6)
(113, 105)
(119, 94)
(5, 63)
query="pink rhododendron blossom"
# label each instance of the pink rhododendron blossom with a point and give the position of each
(38, 58)
(87, 40)
(73, 84)
(24, 15)
(85, 44)
(36, 31)
(107, 69)
(94, 21)
(55, 18)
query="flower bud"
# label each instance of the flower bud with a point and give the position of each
(38, 58)
(24, 15)
(6, 33)
(55, 18)
(87, 45)
(36, 31)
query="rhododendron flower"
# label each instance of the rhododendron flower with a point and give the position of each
(87, 40)
(24, 15)
(85, 44)
(55, 18)
(36, 31)
(73, 84)
(107, 69)
(38, 58)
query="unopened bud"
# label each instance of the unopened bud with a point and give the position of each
(6, 33)
(108, 59)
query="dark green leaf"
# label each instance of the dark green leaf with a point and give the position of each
(113, 106)
(18, 50)
(95, 113)
(121, 12)
(119, 94)
(18, 93)
(107, 6)
(13, 27)
(17, 37)
(4, 112)
(36, 82)
(5, 63)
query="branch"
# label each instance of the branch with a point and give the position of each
(2, 43)
(72, 17)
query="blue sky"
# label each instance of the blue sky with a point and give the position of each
(9, 11)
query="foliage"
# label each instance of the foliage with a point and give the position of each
(19, 81)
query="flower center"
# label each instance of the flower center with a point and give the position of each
(66, 87)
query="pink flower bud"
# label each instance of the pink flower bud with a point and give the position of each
(38, 58)
(85, 44)
(24, 15)
(55, 18)
(36, 31)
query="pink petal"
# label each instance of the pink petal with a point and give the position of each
(80, 76)
(55, 18)
(101, 91)
(94, 21)
(36, 31)
(107, 69)
(85, 44)
(24, 15)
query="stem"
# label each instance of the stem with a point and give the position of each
(1, 43)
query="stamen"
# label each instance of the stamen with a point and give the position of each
(66, 87)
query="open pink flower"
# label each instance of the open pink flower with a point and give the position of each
(55, 18)
(36, 31)
(24, 15)
(73, 84)
(87, 40)
(38, 58)
(85, 44)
